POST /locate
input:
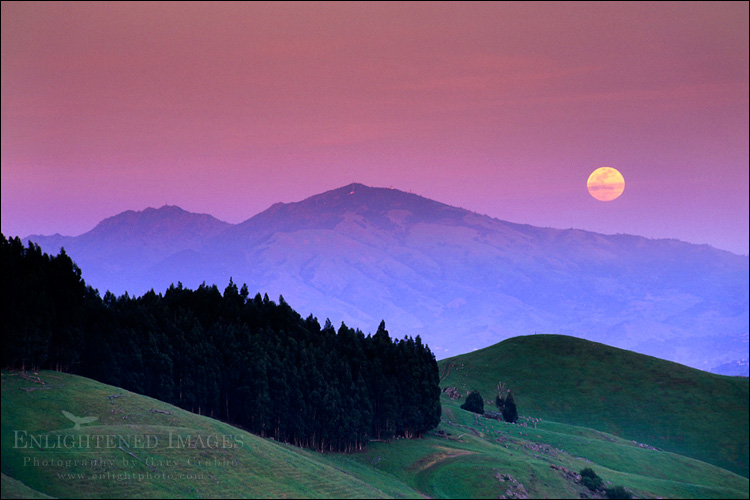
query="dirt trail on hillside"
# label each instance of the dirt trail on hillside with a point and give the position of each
(425, 463)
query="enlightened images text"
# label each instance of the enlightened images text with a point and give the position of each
(23, 439)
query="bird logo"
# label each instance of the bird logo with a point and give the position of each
(78, 420)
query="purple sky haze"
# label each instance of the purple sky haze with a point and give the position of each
(500, 108)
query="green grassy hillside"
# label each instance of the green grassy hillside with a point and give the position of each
(466, 457)
(139, 447)
(636, 397)
(484, 458)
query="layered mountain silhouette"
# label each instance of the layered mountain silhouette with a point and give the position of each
(461, 280)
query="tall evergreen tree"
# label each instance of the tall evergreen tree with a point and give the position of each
(510, 414)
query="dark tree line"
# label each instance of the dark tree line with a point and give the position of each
(246, 360)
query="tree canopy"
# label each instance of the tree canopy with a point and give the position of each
(249, 361)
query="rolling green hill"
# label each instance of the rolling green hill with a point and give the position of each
(133, 446)
(636, 397)
(139, 447)
(484, 458)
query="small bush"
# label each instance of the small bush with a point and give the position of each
(589, 472)
(617, 492)
(474, 403)
(592, 484)
(590, 479)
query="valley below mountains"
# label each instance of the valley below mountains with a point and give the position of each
(460, 280)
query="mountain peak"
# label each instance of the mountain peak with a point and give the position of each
(364, 199)
(353, 187)
(165, 209)
(325, 210)
(166, 221)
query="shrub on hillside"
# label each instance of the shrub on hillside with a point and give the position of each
(590, 479)
(474, 403)
(510, 413)
(617, 492)
(505, 403)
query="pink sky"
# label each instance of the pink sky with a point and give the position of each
(504, 109)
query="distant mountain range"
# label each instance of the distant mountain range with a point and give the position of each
(461, 280)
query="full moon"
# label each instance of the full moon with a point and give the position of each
(606, 183)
